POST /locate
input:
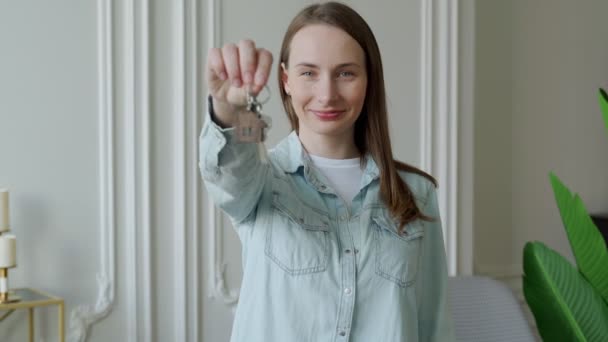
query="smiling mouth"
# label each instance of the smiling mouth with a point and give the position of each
(327, 114)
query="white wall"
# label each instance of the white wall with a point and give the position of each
(48, 151)
(539, 66)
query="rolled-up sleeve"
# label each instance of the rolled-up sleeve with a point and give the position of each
(434, 316)
(232, 172)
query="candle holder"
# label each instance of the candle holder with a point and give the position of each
(5, 295)
(8, 250)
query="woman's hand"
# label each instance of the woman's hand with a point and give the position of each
(231, 71)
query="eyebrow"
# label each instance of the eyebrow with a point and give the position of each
(311, 65)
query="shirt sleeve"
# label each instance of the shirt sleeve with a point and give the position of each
(232, 172)
(434, 316)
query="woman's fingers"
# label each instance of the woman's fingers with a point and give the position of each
(215, 64)
(231, 60)
(262, 70)
(247, 60)
(234, 66)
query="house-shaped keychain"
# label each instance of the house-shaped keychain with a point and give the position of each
(250, 127)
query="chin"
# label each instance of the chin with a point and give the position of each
(329, 129)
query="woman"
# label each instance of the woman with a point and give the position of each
(340, 241)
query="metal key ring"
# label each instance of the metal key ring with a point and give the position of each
(267, 97)
(255, 98)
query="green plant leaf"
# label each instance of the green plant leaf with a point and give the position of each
(565, 306)
(585, 239)
(563, 198)
(604, 106)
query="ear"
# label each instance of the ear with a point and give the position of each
(285, 79)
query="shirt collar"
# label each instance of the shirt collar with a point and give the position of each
(290, 153)
(291, 156)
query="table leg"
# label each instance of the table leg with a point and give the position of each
(6, 314)
(61, 324)
(31, 314)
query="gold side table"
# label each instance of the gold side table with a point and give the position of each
(30, 299)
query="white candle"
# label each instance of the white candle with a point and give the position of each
(4, 218)
(8, 251)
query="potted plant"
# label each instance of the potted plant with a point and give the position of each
(570, 302)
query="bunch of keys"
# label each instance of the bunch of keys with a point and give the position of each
(251, 125)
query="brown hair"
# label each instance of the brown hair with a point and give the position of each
(371, 128)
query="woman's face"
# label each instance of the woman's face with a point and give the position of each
(327, 80)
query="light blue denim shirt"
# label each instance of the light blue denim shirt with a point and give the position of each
(315, 270)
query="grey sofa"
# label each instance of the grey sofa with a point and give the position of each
(486, 310)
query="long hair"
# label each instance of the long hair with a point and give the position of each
(371, 128)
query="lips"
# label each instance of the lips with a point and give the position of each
(327, 114)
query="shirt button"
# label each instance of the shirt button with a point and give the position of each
(342, 218)
(342, 333)
(347, 291)
(347, 251)
(356, 251)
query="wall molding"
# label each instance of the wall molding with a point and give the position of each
(83, 316)
(193, 125)
(133, 56)
(136, 116)
(187, 102)
(426, 86)
(440, 117)
(466, 130)
(179, 172)
(218, 288)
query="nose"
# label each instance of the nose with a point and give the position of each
(326, 90)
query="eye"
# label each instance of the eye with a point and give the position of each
(346, 74)
(306, 73)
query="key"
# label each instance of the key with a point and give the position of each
(251, 126)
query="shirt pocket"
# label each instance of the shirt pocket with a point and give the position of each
(297, 239)
(396, 256)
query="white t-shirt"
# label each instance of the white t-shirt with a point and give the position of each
(344, 175)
